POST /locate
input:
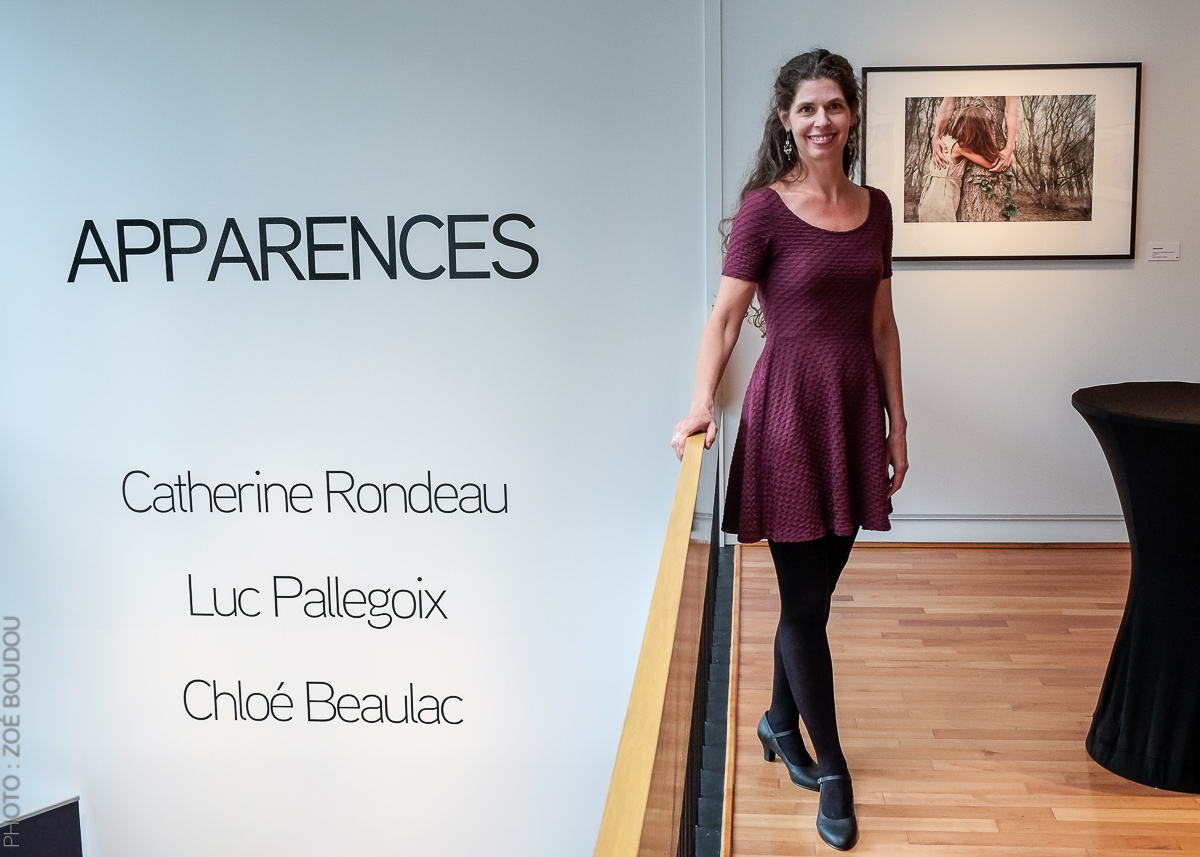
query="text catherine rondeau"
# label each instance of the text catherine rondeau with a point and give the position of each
(342, 493)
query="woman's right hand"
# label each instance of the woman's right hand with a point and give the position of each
(697, 420)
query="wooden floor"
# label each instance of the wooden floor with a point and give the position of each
(966, 680)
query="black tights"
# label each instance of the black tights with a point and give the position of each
(803, 682)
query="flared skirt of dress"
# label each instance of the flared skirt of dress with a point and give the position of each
(810, 455)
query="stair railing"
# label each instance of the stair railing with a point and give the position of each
(653, 796)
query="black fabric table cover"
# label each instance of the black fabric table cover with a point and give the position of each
(1146, 727)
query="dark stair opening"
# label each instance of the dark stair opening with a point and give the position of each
(712, 771)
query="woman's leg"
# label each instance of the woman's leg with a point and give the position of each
(783, 715)
(803, 681)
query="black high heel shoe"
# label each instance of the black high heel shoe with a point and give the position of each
(804, 776)
(839, 833)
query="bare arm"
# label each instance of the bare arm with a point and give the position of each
(716, 344)
(887, 358)
(944, 112)
(960, 150)
(1011, 106)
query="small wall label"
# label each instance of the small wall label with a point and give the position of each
(1164, 251)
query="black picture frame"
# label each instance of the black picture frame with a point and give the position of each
(1069, 203)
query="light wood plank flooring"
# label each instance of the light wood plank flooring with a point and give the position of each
(966, 680)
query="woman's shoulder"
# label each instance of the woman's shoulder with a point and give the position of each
(758, 209)
(880, 204)
(758, 199)
(751, 237)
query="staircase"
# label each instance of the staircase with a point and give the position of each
(712, 774)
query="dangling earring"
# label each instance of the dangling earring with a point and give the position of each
(787, 143)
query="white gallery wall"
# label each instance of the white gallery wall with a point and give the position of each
(993, 351)
(555, 392)
(617, 130)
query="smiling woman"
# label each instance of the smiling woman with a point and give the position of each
(812, 457)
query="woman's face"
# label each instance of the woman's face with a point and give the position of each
(819, 119)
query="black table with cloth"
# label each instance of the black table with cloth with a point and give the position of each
(1147, 722)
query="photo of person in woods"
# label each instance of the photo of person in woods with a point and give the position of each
(999, 159)
(968, 139)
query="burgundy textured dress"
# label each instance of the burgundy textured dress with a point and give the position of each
(810, 455)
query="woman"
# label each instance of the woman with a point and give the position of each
(810, 465)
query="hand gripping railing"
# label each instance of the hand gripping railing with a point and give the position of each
(654, 791)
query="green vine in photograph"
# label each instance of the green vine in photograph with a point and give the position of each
(1008, 206)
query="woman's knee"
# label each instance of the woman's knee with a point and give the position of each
(803, 609)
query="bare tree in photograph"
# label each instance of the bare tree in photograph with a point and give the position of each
(1056, 155)
(918, 149)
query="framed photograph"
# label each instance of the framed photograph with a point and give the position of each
(1006, 162)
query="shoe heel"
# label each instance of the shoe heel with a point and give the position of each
(768, 754)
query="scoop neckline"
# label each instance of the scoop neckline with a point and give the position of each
(866, 220)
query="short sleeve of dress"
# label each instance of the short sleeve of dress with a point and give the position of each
(886, 205)
(749, 248)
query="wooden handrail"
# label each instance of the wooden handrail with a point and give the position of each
(643, 811)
